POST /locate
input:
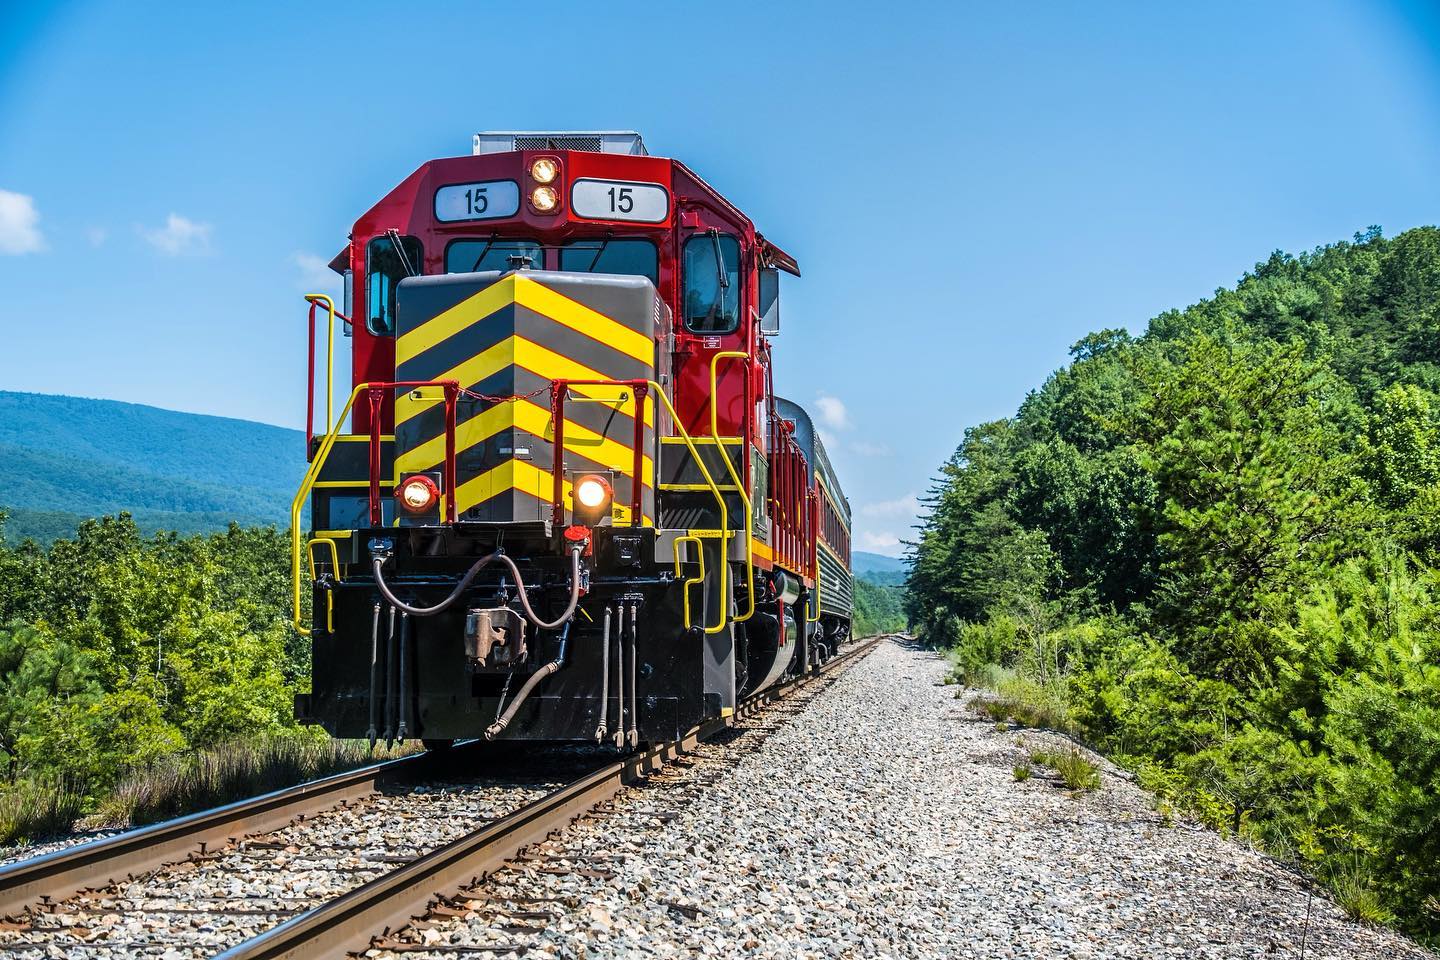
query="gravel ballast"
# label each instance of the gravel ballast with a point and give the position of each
(882, 818)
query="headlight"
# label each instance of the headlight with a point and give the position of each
(544, 169)
(419, 494)
(544, 199)
(592, 492)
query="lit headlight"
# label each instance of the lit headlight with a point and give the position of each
(544, 199)
(592, 492)
(544, 169)
(419, 494)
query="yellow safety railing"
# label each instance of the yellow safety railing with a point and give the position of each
(723, 533)
(321, 300)
(298, 503)
(734, 476)
(334, 566)
(689, 538)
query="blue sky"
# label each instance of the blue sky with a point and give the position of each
(968, 188)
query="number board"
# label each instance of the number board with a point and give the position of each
(620, 200)
(487, 200)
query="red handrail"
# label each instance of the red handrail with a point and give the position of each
(376, 395)
(558, 391)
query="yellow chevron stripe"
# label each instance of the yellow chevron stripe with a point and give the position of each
(580, 318)
(516, 351)
(445, 325)
(531, 418)
(514, 475)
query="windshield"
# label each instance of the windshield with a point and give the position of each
(470, 256)
(626, 256)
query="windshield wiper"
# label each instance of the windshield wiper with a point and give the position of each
(394, 236)
(484, 250)
(719, 260)
(600, 250)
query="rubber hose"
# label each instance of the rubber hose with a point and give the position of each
(574, 590)
(604, 680)
(454, 594)
(470, 575)
(494, 730)
(374, 732)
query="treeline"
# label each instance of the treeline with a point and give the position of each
(1213, 551)
(879, 608)
(117, 650)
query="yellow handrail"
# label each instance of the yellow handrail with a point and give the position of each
(675, 546)
(329, 354)
(298, 503)
(734, 477)
(724, 532)
(335, 566)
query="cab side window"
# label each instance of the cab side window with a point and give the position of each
(386, 264)
(712, 283)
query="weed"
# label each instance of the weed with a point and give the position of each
(34, 810)
(1001, 727)
(233, 771)
(1077, 772)
(1021, 771)
(1355, 895)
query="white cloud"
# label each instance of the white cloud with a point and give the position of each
(96, 235)
(904, 507)
(832, 412)
(179, 236)
(865, 448)
(315, 272)
(879, 542)
(19, 224)
(879, 526)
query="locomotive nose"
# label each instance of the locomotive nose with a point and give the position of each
(520, 443)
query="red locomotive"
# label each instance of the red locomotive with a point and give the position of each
(569, 504)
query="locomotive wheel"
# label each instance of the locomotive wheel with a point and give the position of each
(437, 746)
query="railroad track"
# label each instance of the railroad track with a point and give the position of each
(327, 899)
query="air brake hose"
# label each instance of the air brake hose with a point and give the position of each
(501, 722)
(475, 568)
(575, 552)
(480, 564)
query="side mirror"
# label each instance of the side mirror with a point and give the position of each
(770, 302)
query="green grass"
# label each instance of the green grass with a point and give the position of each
(1072, 766)
(32, 811)
(234, 771)
(1026, 702)
(1355, 894)
(1021, 771)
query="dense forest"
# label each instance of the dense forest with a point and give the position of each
(117, 651)
(1213, 552)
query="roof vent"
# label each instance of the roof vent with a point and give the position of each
(596, 141)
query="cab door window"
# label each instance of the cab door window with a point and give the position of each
(386, 264)
(712, 283)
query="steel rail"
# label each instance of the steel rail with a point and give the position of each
(349, 923)
(63, 873)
